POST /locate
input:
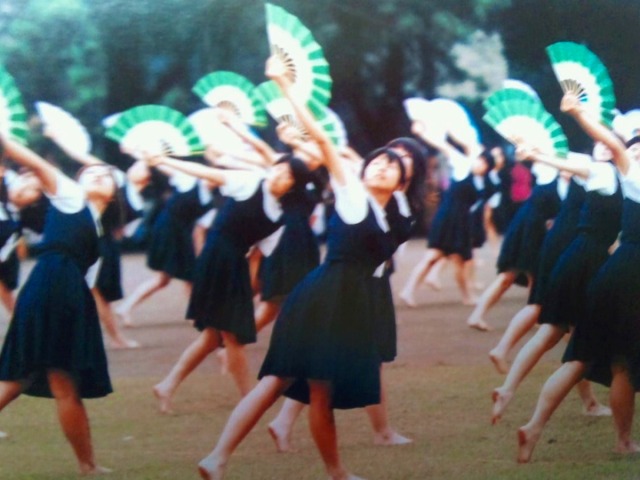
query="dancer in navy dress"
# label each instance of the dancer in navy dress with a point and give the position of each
(519, 254)
(450, 233)
(602, 329)
(53, 347)
(171, 253)
(221, 303)
(564, 303)
(322, 348)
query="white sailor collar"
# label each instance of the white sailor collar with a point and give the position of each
(379, 212)
(270, 204)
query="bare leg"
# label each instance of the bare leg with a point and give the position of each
(622, 398)
(195, 353)
(7, 298)
(237, 363)
(489, 297)
(590, 404)
(242, 420)
(383, 433)
(323, 429)
(158, 281)
(545, 338)
(254, 258)
(520, 324)
(74, 421)
(266, 313)
(9, 391)
(418, 273)
(468, 298)
(281, 427)
(433, 278)
(118, 340)
(553, 392)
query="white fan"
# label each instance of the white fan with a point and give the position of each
(213, 132)
(64, 128)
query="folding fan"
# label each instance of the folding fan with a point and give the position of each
(627, 125)
(507, 94)
(304, 58)
(580, 71)
(13, 116)
(527, 121)
(156, 129)
(456, 121)
(213, 132)
(340, 137)
(108, 122)
(420, 110)
(233, 92)
(511, 83)
(66, 129)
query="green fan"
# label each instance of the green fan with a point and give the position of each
(13, 116)
(155, 129)
(527, 121)
(336, 129)
(580, 71)
(303, 56)
(234, 92)
(506, 95)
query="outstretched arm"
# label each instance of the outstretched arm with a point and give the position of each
(263, 148)
(27, 158)
(571, 165)
(211, 174)
(571, 105)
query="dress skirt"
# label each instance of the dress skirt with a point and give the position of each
(109, 282)
(171, 247)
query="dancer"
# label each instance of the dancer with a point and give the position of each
(68, 363)
(322, 348)
(605, 340)
(450, 233)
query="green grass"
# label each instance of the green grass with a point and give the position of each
(445, 409)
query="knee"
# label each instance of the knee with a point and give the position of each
(163, 280)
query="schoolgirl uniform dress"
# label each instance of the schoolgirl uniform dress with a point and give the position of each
(222, 298)
(55, 323)
(109, 282)
(559, 236)
(610, 332)
(565, 303)
(9, 234)
(171, 244)
(450, 230)
(521, 245)
(486, 187)
(325, 330)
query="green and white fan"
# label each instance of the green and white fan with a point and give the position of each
(155, 129)
(109, 121)
(304, 58)
(508, 94)
(580, 71)
(13, 116)
(420, 110)
(512, 83)
(233, 92)
(522, 121)
(338, 133)
(213, 132)
(65, 129)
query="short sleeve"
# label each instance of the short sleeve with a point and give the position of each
(240, 185)
(351, 199)
(206, 220)
(602, 178)
(268, 244)
(630, 183)
(134, 199)
(460, 165)
(69, 196)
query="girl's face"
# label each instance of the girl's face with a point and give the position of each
(634, 152)
(407, 161)
(601, 153)
(98, 182)
(280, 179)
(498, 156)
(25, 190)
(382, 173)
(479, 166)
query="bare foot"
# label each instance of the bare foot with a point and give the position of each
(596, 410)
(501, 399)
(499, 362)
(221, 354)
(124, 344)
(408, 299)
(526, 443)
(164, 399)
(281, 439)
(470, 301)
(3, 435)
(210, 469)
(389, 439)
(125, 318)
(433, 283)
(479, 325)
(97, 470)
(627, 446)
(345, 476)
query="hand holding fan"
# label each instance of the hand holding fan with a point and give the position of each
(13, 116)
(155, 129)
(293, 43)
(64, 129)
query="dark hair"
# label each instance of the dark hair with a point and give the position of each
(417, 184)
(488, 157)
(114, 215)
(393, 158)
(632, 141)
(299, 170)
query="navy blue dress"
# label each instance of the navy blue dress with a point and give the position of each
(171, 244)
(222, 297)
(557, 239)
(521, 245)
(325, 330)
(478, 230)
(565, 303)
(8, 227)
(55, 323)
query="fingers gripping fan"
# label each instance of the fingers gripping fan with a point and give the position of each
(13, 116)
(66, 129)
(233, 92)
(521, 121)
(278, 107)
(580, 71)
(303, 56)
(156, 129)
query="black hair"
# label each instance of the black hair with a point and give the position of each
(299, 170)
(488, 158)
(632, 141)
(393, 158)
(417, 189)
(115, 214)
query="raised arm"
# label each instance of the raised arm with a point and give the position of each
(571, 165)
(263, 148)
(276, 71)
(84, 159)
(27, 158)
(419, 130)
(571, 105)
(211, 174)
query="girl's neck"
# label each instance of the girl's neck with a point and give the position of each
(382, 197)
(99, 204)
